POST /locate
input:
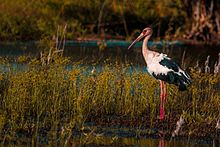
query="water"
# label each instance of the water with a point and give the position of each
(119, 136)
(149, 142)
(90, 51)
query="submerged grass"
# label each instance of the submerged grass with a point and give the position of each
(45, 104)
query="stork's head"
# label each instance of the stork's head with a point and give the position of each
(145, 33)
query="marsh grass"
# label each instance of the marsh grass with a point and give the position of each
(47, 103)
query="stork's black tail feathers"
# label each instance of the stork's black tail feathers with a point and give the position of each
(180, 79)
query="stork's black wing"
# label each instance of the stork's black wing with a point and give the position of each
(167, 62)
(175, 76)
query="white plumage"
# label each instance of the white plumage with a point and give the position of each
(152, 60)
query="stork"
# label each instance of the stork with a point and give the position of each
(162, 68)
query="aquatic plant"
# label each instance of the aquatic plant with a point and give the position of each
(51, 101)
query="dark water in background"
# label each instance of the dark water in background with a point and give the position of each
(91, 52)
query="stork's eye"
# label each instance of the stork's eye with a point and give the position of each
(144, 31)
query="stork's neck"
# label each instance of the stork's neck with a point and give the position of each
(144, 45)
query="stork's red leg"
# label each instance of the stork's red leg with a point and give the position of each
(164, 92)
(161, 101)
(164, 99)
(161, 142)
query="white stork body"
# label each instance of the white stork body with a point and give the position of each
(153, 60)
(162, 68)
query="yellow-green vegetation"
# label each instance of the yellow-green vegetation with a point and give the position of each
(51, 101)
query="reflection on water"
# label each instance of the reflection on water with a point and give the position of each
(122, 136)
(142, 142)
(159, 143)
